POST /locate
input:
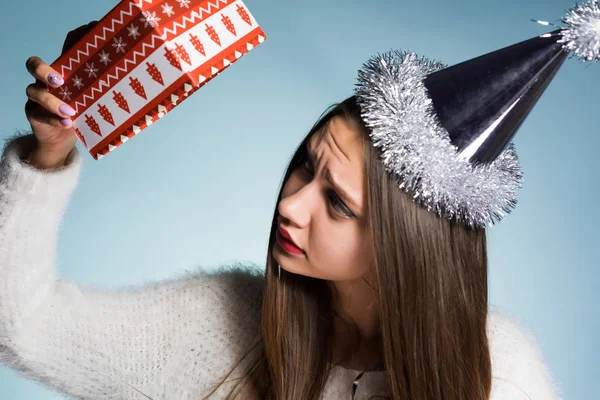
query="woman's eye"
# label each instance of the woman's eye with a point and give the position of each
(307, 165)
(339, 205)
(333, 198)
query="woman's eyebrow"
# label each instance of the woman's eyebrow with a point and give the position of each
(338, 186)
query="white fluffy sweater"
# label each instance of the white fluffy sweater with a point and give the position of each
(170, 340)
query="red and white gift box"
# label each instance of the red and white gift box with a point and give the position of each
(144, 58)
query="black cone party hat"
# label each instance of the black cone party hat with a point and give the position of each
(444, 133)
(483, 102)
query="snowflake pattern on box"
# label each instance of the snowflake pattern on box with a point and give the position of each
(91, 70)
(65, 93)
(184, 3)
(167, 9)
(104, 57)
(134, 31)
(119, 45)
(149, 18)
(110, 55)
(77, 82)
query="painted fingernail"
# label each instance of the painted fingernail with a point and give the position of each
(66, 122)
(55, 79)
(67, 110)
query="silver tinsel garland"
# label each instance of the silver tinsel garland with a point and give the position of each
(417, 150)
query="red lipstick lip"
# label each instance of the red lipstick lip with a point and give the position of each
(287, 236)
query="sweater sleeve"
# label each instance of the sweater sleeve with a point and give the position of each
(518, 368)
(100, 344)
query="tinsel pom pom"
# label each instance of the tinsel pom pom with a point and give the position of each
(581, 34)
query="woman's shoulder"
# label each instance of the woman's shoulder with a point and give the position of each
(518, 364)
(237, 286)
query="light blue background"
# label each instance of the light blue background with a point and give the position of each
(199, 187)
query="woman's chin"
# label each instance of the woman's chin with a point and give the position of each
(280, 257)
(290, 264)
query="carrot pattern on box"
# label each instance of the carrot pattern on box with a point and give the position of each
(144, 58)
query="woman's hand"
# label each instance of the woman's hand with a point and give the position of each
(48, 115)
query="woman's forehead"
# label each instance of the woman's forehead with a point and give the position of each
(342, 134)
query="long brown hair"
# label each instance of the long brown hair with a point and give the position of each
(431, 276)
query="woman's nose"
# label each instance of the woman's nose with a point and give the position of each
(296, 207)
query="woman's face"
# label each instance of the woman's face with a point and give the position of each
(323, 209)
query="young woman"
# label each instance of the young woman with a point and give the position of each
(367, 292)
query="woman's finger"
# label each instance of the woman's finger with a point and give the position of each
(38, 93)
(43, 72)
(37, 114)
